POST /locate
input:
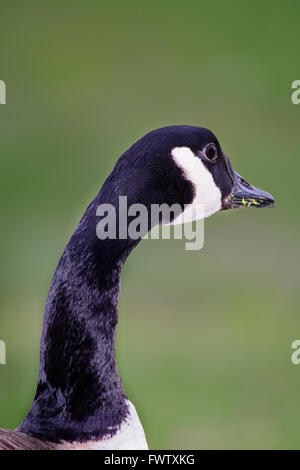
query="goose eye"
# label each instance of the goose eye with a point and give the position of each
(210, 152)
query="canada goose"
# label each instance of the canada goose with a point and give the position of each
(80, 402)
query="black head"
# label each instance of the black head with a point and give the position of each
(182, 165)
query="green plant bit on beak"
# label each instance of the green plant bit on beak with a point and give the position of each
(250, 202)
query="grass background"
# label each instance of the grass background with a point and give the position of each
(204, 338)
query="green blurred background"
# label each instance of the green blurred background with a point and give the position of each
(204, 338)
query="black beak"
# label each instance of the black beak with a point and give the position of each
(245, 195)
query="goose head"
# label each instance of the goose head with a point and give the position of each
(183, 167)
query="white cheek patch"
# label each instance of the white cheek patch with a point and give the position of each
(207, 198)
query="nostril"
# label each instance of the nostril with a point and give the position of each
(244, 183)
